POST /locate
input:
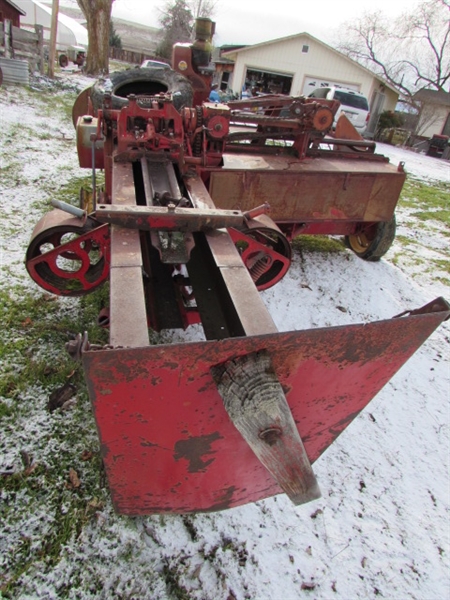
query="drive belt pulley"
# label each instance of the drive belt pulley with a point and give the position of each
(68, 256)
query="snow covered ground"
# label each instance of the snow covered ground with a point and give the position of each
(381, 528)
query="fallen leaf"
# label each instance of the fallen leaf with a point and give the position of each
(30, 469)
(94, 504)
(196, 573)
(26, 458)
(60, 396)
(86, 455)
(74, 479)
(68, 404)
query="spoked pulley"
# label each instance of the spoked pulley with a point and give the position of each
(68, 256)
(265, 252)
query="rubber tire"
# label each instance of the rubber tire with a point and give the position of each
(63, 61)
(146, 82)
(380, 243)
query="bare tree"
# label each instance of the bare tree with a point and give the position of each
(98, 18)
(203, 8)
(177, 22)
(411, 53)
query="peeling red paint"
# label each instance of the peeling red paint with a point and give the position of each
(194, 449)
(183, 454)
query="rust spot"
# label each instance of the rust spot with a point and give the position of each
(270, 435)
(104, 451)
(194, 449)
(170, 365)
(343, 423)
(224, 501)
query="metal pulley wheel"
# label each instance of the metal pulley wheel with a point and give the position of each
(265, 251)
(67, 256)
(323, 119)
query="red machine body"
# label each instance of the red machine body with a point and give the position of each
(198, 208)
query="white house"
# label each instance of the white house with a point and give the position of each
(299, 63)
(435, 112)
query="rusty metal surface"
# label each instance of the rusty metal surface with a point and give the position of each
(318, 191)
(128, 316)
(165, 218)
(167, 442)
(81, 105)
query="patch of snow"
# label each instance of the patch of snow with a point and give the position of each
(420, 166)
(382, 525)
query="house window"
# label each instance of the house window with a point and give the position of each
(305, 49)
(225, 80)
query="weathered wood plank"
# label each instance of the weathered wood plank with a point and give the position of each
(256, 404)
(251, 310)
(22, 35)
(128, 316)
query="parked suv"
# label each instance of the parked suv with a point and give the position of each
(353, 104)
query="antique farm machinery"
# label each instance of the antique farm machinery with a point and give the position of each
(199, 204)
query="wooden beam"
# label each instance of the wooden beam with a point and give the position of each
(128, 316)
(255, 402)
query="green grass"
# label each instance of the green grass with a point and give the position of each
(442, 215)
(318, 243)
(32, 323)
(427, 201)
(404, 240)
(35, 328)
(428, 210)
(60, 101)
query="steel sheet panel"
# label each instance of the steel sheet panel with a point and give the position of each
(166, 440)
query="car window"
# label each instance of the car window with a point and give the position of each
(351, 100)
(320, 93)
(154, 64)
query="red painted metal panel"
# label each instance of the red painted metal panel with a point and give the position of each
(167, 442)
(312, 190)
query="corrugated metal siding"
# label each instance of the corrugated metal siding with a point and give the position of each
(14, 71)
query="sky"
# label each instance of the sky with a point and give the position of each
(253, 21)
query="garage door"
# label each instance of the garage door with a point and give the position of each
(311, 83)
(268, 82)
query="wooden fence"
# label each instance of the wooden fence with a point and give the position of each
(21, 44)
(131, 56)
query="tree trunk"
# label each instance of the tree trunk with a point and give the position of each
(53, 35)
(98, 18)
